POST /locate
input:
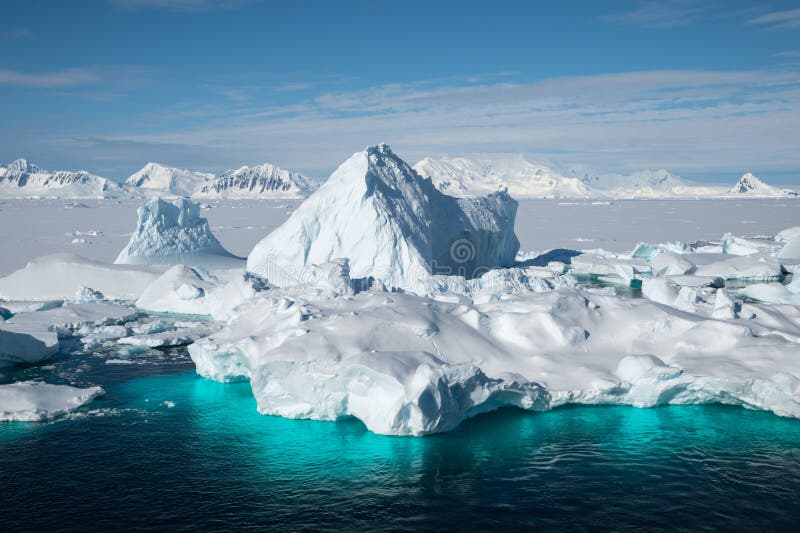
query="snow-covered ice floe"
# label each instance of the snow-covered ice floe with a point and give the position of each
(35, 336)
(64, 276)
(32, 401)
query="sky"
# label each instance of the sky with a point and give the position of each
(707, 89)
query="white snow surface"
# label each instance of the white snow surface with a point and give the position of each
(163, 180)
(261, 181)
(391, 224)
(173, 232)
(33, 401)
(188, 291)
(62, 276)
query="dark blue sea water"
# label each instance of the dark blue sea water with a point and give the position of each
(210, 461)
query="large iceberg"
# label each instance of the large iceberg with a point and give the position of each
(173, 232)
(407, 365)
(392, 224)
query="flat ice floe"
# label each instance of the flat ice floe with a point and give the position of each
(31, 401)
(65, 276)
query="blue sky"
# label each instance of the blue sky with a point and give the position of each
(707, 89)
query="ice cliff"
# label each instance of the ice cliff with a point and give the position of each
(392, 224)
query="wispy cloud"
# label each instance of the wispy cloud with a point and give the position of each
(661, 14)
(292, 87)
(14, 34)
(788, 53)
(682, 120)
(62, 78)
(779, 20)
(178, 5)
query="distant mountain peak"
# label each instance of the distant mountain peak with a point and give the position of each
(23, 165)
(748, 182)
(260, 181)
(169, 180)
(751, 185)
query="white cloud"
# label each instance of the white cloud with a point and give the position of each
(14, 34)
(687, 121)
(779, 20)
(62, 78)
(661, 14)
(178, 5)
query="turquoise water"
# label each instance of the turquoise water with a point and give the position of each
(211, 461)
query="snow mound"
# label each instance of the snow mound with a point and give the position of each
(392, 225)
(185, 290)
(32, 401)
(262, 181)
(158, 178)
(66, 276)
(173, 232)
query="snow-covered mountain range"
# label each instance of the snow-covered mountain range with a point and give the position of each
(22, 179)
(456, 176)
(524, 179)
(262, 181)
(478, 177)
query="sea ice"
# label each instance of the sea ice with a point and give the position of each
(62, 276)
(33, 337)
(33, 400)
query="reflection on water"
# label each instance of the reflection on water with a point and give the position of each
(176, 449)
